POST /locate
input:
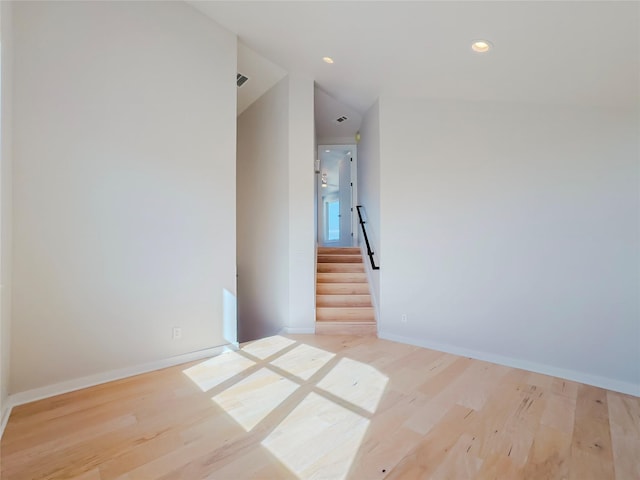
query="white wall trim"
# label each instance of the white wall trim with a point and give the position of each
(92, 380)
(99, 378)
(6, 412)
(297, 331)
(597, 381)
(369, 271)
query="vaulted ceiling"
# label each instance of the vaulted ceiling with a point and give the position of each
(564, 52)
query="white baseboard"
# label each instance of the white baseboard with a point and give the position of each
(6, 412)
(294, 331)
(369, 271)
(92, 380)
(596, 381)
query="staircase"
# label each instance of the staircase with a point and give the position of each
(343, 301)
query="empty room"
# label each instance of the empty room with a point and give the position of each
(319, 240)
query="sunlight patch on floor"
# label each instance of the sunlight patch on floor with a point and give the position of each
(252, 399)
(266, 347)
(216, 370)
(303, 361)
(322, 432)
(355, 382)
(319, 439)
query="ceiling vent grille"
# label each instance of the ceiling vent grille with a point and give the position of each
(341, 119)
(241, 79)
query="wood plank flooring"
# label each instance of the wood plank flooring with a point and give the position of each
(328, 407)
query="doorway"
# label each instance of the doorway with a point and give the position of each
(336, 195)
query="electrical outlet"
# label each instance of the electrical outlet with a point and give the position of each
(177, 333)
(404, 318)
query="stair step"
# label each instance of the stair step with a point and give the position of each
(346, 328)
(343, 300)
(341, 277)
(342, 289)
(340, 258)
(338, 250)
(346, 314)
(340, 268)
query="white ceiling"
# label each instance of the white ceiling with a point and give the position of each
(327, 110)
(262, 75)
(566, 52)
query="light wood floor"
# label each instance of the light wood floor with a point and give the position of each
(325, 407)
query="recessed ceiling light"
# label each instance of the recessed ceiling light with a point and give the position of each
(327, 151)
(327, 60)
(481, 46)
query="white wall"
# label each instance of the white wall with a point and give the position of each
(328, 130)
(301, 205)
(5, 199)
(511, 232)
(263, 209)
(262, 73)
(124, 185)
(275, 212)
(369, 189)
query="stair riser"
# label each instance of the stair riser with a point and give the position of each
(343, 300)
(341, 267)
(339, 251)
(345, 314)
(339, 259)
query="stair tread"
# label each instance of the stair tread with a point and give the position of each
(339, 250)
(346, 308)
(341, 267)
(346, 322)
(341, 277)
(355, 296)
(345, 314)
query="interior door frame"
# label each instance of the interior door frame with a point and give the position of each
(353, 148)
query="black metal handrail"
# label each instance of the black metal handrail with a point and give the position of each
(366, 239)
